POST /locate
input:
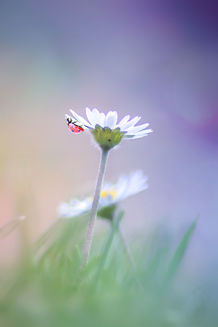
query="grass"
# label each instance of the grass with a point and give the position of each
(46, 287)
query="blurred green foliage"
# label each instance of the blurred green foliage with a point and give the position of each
(47, 287)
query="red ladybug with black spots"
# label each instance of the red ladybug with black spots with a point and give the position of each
(73, 126)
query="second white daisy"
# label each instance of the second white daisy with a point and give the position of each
(110, 195)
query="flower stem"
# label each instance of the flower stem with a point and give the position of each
(113, 229)
(92, 219)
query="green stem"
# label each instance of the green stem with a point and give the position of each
(92, 219)
(105, 254)
(113, 228)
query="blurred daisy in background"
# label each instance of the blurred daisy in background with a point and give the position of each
(110, 196)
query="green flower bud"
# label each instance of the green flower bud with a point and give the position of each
(107, 212)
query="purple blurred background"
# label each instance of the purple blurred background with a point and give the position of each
(148, 58)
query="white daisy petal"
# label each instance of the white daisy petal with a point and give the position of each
(96, 116)
(111, 119)
(122, 186)
(102, 119)
(79, 118)
(91, 117)
(123, 121)
(137, 182)
(140, 134)
(131, 123)
(63, 210)
(107, 186)
(137, 129)
(74, 208)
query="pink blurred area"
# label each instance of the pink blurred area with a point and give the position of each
(143, 58)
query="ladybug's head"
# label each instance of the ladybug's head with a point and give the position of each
(69, 120)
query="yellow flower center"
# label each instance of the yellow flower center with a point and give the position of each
(106, 193)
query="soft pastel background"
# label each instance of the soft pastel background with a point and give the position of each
(148, 58)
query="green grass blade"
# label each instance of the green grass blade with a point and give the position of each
(180, 251)
(42, 240)
(10, 227)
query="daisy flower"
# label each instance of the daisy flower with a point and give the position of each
(105, 128)
(110, 195)
(108, 133)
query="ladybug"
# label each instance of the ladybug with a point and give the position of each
(73, 126)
